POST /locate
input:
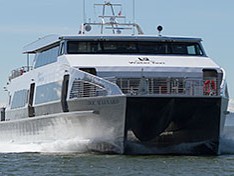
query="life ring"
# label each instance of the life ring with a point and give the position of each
(209, 87)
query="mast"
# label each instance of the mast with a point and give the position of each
(110, 21)
(112, 17)
(84, 12)
(133, 14)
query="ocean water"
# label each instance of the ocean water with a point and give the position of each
(69, 158)
(29, 164)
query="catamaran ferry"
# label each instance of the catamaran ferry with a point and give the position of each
(126, 94)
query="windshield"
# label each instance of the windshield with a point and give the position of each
(134, 47)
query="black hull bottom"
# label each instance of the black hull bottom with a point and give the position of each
(205, 148)
(173, 125)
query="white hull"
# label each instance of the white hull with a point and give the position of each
(100, 126)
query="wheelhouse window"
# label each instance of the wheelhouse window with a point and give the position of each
(46, 57)
(134, 47)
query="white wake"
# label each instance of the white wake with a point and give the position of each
(82, 145)
(59, 146)
(227, 140)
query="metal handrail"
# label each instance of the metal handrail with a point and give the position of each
(169, 86)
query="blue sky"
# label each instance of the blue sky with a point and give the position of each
(24, 21)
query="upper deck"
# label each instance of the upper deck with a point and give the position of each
(135, 43)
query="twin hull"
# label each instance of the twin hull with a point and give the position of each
(130, 125)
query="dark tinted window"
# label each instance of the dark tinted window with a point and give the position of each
(131, 47)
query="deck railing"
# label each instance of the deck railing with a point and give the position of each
(19, 71)
(169, 86)
(81, 89)
(150, 86)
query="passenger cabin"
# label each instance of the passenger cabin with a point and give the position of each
(83, 48)
(48, 49)
(139, 67)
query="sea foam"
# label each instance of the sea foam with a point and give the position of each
(78, 145)
(58, 146)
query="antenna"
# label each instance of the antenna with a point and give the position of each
(133, 14)
(84, 12)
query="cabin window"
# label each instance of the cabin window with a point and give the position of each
(48, 92)
(19, 99)
(134, 47)
(185, 49)
(46, 57)
(83, 47)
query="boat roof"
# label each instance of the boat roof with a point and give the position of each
(54, 39)
(41, 43)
